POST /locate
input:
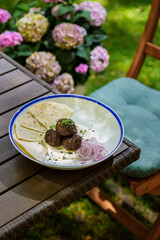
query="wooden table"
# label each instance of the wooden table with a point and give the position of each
(28, 191)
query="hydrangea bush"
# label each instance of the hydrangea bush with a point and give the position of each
(58, 40)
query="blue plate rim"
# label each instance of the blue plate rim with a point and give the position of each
(73, 96)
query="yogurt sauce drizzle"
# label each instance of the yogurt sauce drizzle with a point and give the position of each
(59, 155)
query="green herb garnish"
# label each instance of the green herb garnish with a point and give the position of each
(52, 126)
(70, 152)
(67, 121)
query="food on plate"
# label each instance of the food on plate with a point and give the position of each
(36, 149)
(72, 142)
(47, 113)
(28, 121)
(53, 138)
(91, 149)
(66, 127)
(27, 134)
(29, 129)
(46, 133)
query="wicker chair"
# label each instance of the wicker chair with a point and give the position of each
(151, 183)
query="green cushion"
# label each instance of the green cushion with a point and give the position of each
(139, 108)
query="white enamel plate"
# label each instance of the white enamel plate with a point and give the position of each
(100, 120)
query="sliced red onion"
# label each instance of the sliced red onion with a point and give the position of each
(91, 150)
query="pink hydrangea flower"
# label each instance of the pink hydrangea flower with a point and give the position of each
(68, 35)
(81, 68)
(99, 59)
(76, 7)
(34, 10)
(64, 83)
(97, 12)
(10, 39)
(4, 15)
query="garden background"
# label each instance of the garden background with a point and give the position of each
(82, 220)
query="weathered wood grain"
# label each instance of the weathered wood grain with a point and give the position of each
(46, 183)
(6, 117)
(20, 95)
(12, 79)
(5, 66)
(34, 190)
(4, 121)
(7, 150)
(17, 170)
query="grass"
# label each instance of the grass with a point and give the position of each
(83, 220)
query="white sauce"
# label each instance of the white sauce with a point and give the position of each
(57, 155)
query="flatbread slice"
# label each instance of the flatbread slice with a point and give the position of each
(26, 134)
(34, 149)
(28, 121)
(47, 113)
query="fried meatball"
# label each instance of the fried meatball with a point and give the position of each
(66, 127)
(53, 138)
(72, 142)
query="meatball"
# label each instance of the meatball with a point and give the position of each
(72, 142)
(53, 138)
(66, 127)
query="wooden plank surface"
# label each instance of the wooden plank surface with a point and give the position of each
(17, 170)
(35, 188)
(6, 117)
(20, 95)
(5, 66)
(7, 150)
(12, 79)
(4, 121)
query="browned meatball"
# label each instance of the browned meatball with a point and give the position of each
(53, 138)
(72, 143)
(66, 127)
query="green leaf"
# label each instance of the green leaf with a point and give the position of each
(17, 14)
(89, 40)
(24, 53)
(64, 56)
(32, 4)
(23, 6)
(83, 52)
(24, 50)
(82, 14)
(99, 37)
(65, 9)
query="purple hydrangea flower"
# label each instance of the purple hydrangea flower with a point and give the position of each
(4, 16)
(43, 65)
(76, 7)
(33, 10)
(10, 39)
(64, 83)
(68, 35)
(97, 12)
(81, 68)
(99, 59)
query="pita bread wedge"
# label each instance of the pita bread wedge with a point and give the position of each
(28, 121)
(34, 149)
(26, 134)
(47, 113)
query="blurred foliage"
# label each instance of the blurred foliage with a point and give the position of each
(68, 59)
